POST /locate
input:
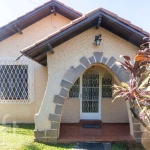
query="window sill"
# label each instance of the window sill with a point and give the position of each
(15, 102)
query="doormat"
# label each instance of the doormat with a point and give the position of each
(95, 126)
(91, 146)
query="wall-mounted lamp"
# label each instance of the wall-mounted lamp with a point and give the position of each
(98, 39)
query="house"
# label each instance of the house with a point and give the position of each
(52, 71)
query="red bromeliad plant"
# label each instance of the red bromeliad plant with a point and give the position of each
(137, 90)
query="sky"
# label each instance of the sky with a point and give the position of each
(136, 11)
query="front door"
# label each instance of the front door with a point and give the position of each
(90, 99)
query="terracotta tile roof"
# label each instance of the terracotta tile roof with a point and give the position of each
(68, 7)
(35, 15)
(92, 12)
(125, 21)
(40, 7)
(108, 12)
(82, 18)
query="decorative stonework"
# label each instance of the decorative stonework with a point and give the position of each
(54, 117)
(85, 62)
(66, 84)
(58, 109)
(46, 136)
(68, 80)
(98, 56)
(140, 134)
(58, 99)
(54, 125)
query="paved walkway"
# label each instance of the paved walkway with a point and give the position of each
(92, 146)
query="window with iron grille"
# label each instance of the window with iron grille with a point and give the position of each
(75, 89)
(107, 86)
(16, 80)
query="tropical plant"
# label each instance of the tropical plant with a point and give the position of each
(137, 89)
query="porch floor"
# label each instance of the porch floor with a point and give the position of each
(73, 132)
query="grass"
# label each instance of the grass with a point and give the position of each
(119, 146)
(126, 146)
(20, 137)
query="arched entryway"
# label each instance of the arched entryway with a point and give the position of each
(67, 82)
(89, 101)
(73, 73)
(85, 98)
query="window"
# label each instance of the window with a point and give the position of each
(107, 86)
(74, 91)
(16, 80)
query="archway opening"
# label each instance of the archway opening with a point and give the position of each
(89, 101)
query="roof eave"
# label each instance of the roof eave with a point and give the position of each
(27, 19)
(133, 36)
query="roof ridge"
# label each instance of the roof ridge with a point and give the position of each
(92, 11)
(38, 7)
(81, 24)
(82, 18)
(68, 7)
(125, 21)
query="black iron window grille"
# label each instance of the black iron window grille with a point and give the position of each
(75, 89)
(107, 86)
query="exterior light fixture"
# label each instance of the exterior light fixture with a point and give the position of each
(98, 39)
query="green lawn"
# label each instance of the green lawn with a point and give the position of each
(126, 146)
(21, 138)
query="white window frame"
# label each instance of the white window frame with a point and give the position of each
(21, 61)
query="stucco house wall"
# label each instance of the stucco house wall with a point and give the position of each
(68, 54)
(11, 47)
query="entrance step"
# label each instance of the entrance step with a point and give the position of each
(90, 122)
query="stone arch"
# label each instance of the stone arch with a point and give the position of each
(70, 77)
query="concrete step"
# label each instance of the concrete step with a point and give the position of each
(90, 122)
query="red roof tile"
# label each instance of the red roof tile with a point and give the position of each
(109, 12)
(40, 7)
(124, 20)
(92, 12)
(82, 18)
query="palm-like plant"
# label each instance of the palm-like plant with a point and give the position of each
(137, 90)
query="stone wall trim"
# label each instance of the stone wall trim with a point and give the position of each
(85, 62)
(58, 109)
(138, 127)
(114, 68)
(66, 84)
(98, 56)
(63, 92)
(110, 61)
(122, 75)
(139, 134)
(58, 99)
(68, 74)
(54, 125)
(39, 134)
(104, 60)
(54, 117)
(46, 140)
(51, 133)
(92, 60)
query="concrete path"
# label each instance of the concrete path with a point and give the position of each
(92, 146)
